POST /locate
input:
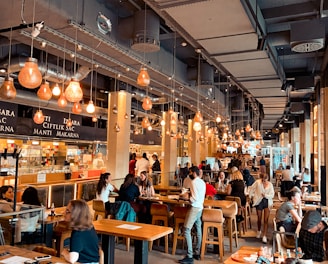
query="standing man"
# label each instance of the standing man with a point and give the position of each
(194, 214)
(142, 165)
(156, 170)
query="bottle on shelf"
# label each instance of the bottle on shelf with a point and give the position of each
(52, 209)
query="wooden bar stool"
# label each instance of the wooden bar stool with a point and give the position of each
(231, 223)
(160, 215)
(241, 210)
(212, 218)
(179, 219)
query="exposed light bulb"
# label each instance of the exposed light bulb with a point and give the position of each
(126, 116)
(218, 119)
(56, 91)
(147, 104)
(94, 118)
(197, 126)
(117, 128)
(150, 128)
(91, 107)
(162, 122)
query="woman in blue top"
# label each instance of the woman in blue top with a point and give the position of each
(84, 241)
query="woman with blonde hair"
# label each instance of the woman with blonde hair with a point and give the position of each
(236, 186)
(84, 240)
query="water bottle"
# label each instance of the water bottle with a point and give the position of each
(52, 210)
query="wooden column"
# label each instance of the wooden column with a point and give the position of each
(169, 148)
(117, 159)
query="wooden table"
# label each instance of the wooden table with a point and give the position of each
(166, 188)
(23, 252)
(141, 233)
(207, 203)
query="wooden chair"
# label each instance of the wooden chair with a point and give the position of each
(212, 218)
(241, 211)
(179, 219)
(160, 215)
(45, 250)
(60, 234)
(99, 209)
(231, 223)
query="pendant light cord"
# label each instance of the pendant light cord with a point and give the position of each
(9, 55)
(64, 60)
(33, 19)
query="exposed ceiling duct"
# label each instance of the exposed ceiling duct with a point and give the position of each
(237, 102)
(206, 75)
(307, 36)
(145, 36)
(304, 84)
(296, 108)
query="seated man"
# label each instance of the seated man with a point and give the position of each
(311, 236)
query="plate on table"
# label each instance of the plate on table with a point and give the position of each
(244, 257)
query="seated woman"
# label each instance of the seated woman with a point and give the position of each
(287, 215)
(236, 186)
(129, 192)
(145, 184)
(104, 187)
(210, 190)
(84, 240)
(6, 198)
(29, 221)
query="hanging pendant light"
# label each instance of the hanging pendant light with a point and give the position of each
(218, 119)
(30, 76)
(94, 118)
(145, 122)
(7, 89)
(44, 92)
(91, 107)
(197, 126)
(248, 128)
(126, 116)
(114, 109)
(77, 108)
(38, 117)
(150, 128)
(198, 117)
(143, 78)
(62, 102)
(173, 121)
(117, 128)
(237, 133)
(162, 122)
(147, 104)
(73, 92)
(69, 122)
(171, 110)
(56, 90)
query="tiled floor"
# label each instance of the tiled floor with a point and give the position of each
(158, 256)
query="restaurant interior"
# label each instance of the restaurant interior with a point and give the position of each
(186, 80)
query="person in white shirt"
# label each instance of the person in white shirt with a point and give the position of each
(193, 217)
(98, 162)
(104, 187)
(142, 165)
